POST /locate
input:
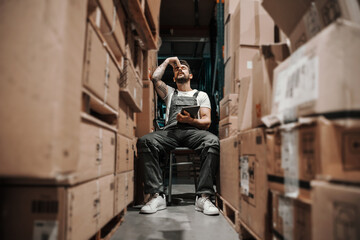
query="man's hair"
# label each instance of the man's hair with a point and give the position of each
(184, 62)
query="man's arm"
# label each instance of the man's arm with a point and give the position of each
(159, 85)
(202, 123)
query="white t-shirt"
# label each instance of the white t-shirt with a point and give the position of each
(202, 99)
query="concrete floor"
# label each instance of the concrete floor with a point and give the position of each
(178, 222)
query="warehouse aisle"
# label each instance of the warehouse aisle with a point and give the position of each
(179, 222)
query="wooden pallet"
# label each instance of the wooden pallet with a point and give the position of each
(107, 231)
(229, 212)
(246, 233)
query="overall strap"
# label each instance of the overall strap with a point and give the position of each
(196, 94)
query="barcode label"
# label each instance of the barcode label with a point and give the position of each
(45, 230)
(41, 206)
(297, 84)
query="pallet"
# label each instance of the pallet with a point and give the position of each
(229, 212)
(107, 231)
(246, 233)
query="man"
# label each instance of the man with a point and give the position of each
(180, 130)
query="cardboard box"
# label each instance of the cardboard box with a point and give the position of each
(97, 153)
(256, 92)
(125, 156)
(126, 124)
(245, 104)
(144, 120)
(228, 127)
(100, 75)
(57, 212)
(228, 46)
(229, 170)
(308, 26)
(316, 80)
(41, 87)
(154, 9)
(229, 106)
(129, 189)
(291, 219)
(229, 8)
(243, 61)
(150, 64)
(229, 86)
(251, 25)
(253, 179)
(131, 87)
(110, 20)
(286, 14)
(330, 10)
(316, 148)
(119, 201)
(335, 212)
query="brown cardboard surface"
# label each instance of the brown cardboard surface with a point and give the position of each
(100, 73)
(291, 219)
(328, 63)
(229, 170)
(126, 124)
(286, 14)
(228, 46)
(131, 87)
(229, 86)
(243, 61)
(150, 64)
(144, 120)
(245, 103)
(253, 179)
(229, 106)
(229, 8)
(251, 25)
(308, 26)
(335, 212)
(119, 200)
(70, 213)
(40, 87)
(125, 156)
(129, 189)
(154, 8)
(97, 153)
(103, 15)
(228, 127)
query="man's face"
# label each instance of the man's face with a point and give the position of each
(181, 74)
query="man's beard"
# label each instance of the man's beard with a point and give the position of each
(182, 80)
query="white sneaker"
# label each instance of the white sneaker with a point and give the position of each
(155, 204)
(204, 204)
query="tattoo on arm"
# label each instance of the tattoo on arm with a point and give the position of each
(159, 85)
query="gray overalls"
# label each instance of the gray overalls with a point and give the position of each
(153, 146)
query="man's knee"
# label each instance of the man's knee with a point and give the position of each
(144, 143)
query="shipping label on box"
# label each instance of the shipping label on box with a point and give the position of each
(247, 181)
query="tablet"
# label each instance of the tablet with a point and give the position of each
(193, 110)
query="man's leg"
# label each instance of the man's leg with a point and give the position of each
(208, 146)
(150, 147)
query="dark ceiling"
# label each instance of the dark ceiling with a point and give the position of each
(185, 33)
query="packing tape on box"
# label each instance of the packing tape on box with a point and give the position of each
(290, 162)
(107, 74)
(286, 212)
(97, 205)
(98, 17)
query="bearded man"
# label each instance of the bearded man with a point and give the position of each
(181, 130)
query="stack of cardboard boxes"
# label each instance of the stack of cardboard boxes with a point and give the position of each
(313, 166)
(309, 104)
(72, 85)
(249, 53)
